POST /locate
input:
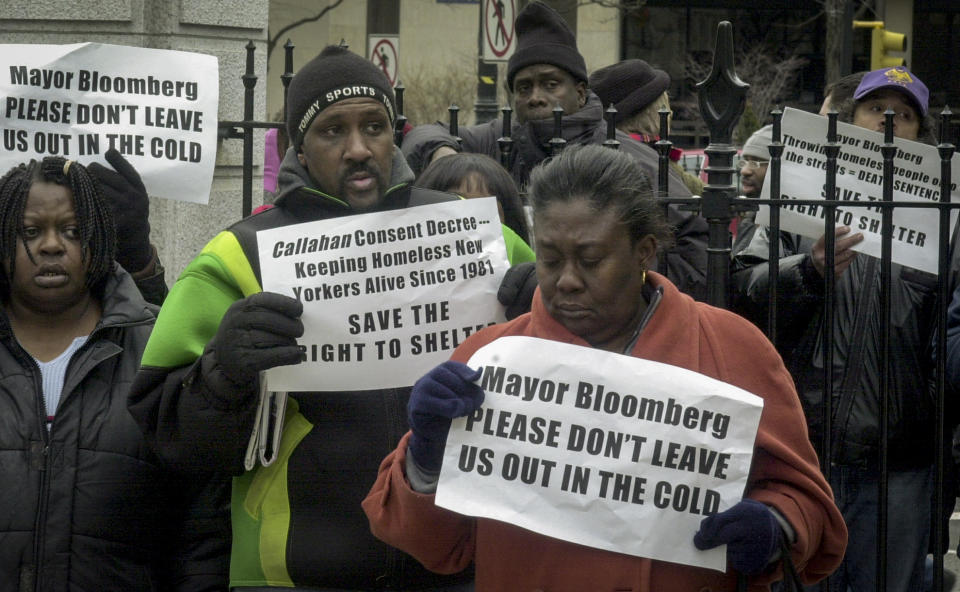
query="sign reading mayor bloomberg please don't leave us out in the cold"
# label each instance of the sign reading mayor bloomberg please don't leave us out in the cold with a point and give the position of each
(157, 107)
(600, 449)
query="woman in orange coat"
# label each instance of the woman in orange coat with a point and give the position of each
(597, 233)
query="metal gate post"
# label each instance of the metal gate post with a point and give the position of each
(944, 293)
(722, 99)
(249, 82)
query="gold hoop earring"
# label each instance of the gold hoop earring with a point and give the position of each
(643, 276)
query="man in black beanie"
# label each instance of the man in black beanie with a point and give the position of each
(297, 524)
(335, 89)
(547, 71)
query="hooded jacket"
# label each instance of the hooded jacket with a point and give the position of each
(692, 335)
(686, 261)
(856, 398)
(297, 522)
(87, 505)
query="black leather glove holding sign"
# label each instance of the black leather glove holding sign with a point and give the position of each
(124, 191)
(517, 288)
(257, 333)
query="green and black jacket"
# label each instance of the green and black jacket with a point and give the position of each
(299, 521)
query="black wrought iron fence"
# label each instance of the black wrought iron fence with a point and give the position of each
(946, 254)
(722, 98)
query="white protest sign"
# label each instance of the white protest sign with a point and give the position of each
(157, 107)
(600, 449)
(388, 295)
(915, 239)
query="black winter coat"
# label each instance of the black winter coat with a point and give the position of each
(87, 506)
(855, 427)
(196, 418)
(686, 260)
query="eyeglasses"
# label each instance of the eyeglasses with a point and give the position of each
(751, 164)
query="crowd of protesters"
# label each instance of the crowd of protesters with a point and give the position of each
(128, 407)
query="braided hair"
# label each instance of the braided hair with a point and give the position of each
(98, 240)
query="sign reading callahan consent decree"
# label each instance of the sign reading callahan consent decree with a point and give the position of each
(157, 107)
(386, 296)
(915, 238)
(600, 449)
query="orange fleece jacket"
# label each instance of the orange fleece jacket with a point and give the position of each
(785, 473)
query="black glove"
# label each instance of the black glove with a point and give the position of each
(516, 289)
(127, 198)
(447, 391)
(750, 531)
(257, 333)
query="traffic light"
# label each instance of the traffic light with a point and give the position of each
(881, 42)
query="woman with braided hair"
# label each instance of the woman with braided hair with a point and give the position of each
(84, 504)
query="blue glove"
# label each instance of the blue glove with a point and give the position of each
(750, 531)
(447, 391)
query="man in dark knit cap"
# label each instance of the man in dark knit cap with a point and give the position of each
(544, 72)
(297, 524)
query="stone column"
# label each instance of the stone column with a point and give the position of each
(179, 230)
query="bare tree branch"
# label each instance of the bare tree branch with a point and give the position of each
(835, 11)
(272, 41)
(770, 76)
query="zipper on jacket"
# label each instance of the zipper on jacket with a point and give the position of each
(44, 465)
(853, 365)
(40, 520)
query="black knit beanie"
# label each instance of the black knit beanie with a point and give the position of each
(544, 38)
(334, 75)
(629, 85)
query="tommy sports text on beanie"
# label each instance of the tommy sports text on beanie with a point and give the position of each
(334, 75)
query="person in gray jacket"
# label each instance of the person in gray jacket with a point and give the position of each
(546, 71)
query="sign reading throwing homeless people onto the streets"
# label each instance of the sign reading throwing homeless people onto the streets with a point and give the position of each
(388, 295)
(914, 240)
(600, 449)
(156, 107)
